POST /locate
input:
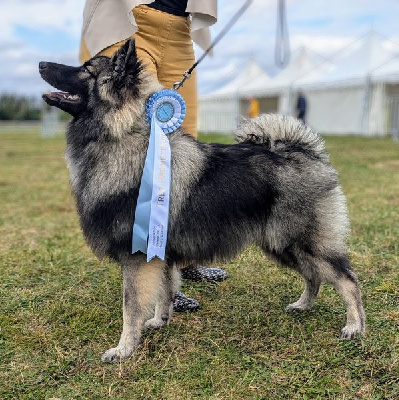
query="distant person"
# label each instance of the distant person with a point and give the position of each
(253, 107)
(301, 106)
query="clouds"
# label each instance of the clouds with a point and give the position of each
(40, 15)
(35, 30)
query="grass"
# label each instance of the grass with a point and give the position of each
(60, 308)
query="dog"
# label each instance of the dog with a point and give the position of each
(275, 188)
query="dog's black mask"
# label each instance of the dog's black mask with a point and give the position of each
(106, 79)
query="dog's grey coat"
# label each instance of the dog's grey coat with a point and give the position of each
(275, 188)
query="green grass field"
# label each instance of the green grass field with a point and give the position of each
(60, 308)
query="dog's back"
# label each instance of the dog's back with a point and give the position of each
(274, 187)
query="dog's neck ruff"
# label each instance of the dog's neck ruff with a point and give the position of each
(165, 111)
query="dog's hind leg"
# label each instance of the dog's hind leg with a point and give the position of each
(345, 282)
(164, 303)
(141, 284)
(336, 271)
(308, 297)
(303, 263)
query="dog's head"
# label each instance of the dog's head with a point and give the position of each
(101, 81)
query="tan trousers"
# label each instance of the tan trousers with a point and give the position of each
(163, 43)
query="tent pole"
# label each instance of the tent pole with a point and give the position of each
(290, 96)
(365, 123)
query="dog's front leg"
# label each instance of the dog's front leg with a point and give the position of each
(166, 294)
(141, 283)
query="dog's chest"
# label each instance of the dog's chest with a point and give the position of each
(100, 172)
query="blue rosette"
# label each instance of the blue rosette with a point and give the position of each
(169, 109)
(165, 112)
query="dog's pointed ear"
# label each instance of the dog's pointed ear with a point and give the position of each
(125, 63)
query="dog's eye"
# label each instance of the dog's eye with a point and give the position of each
(87, 70)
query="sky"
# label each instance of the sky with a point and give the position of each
(49, 30)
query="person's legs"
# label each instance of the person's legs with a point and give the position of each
(163, 43)
(176, 57)
(301, 116)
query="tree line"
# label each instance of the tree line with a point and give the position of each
(19, 108)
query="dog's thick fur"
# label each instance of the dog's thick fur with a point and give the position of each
(275, 189)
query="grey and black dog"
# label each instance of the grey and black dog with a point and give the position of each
(275, 188)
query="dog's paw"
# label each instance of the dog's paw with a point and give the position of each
(350, 332)
(117, 354)
(155, 323)
(295, 307)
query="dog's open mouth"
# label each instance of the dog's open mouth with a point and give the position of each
(68, 102)
(61, 96)
(69, 89)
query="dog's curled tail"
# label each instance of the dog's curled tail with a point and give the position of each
(279, 132)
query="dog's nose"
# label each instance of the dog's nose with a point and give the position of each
(42, 65)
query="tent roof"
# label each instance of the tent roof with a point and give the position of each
(252, 72)
(302, 61)
(368, 56)
(363, 58)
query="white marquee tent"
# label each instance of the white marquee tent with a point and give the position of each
(354, 96)
(280, 88)
(355, 91)
(220, 111)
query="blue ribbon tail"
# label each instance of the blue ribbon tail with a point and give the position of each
(159, 216)
(165, 111)
(143, 207)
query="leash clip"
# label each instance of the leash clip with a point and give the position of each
(177, 85)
